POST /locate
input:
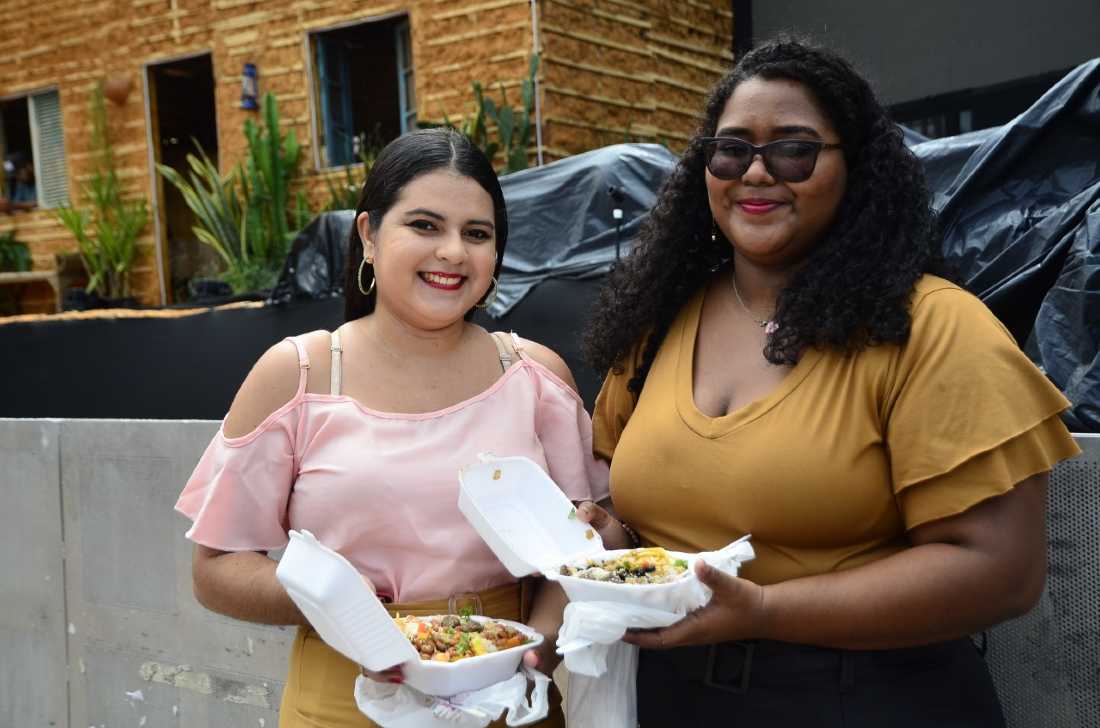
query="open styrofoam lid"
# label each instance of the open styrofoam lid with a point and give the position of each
(522, 515)
(336, 601)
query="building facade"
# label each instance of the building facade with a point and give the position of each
(177, 70)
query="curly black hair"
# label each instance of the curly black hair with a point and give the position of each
(855, 287)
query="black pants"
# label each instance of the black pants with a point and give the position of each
(777, 685)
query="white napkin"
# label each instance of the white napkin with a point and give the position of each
(400, 706)
(602, 682)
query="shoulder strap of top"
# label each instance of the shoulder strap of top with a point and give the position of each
(517, 344)
(334, 377)
(502, 349)
(303, 363)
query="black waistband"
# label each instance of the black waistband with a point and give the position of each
(730, 666)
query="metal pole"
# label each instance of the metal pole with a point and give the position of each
(537, 48)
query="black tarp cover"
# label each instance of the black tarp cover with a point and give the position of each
(560, 217)
(560, 224)
(1019, 207)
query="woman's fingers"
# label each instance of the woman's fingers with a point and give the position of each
(610, 529)
(593, 515)
(735, 611)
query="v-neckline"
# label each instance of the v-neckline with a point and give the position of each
(713, 427)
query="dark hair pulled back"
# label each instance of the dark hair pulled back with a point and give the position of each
(400, 162)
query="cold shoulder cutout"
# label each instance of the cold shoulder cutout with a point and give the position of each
(382, 488)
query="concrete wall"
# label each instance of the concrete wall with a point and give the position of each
(99, 628)
(98, 625)
(917, 49)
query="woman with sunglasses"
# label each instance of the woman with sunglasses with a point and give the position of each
(787, 360)
(358, 435)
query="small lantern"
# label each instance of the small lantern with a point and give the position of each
(249, 87)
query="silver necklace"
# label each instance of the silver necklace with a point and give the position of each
(769, 326)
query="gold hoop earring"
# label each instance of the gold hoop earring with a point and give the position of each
(359, 278)
(491, 297)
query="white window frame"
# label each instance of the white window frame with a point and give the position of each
(406, 76)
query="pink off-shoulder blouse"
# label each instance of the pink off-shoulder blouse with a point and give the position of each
(381, 488)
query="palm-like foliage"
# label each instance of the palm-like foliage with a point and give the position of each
(107, 233)
(513, 126)
(245, 215)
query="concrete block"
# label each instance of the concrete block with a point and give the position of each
(32, 597)
(135, 622)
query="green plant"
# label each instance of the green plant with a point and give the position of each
(246, 215)
(107, 233)
(221, 221)
(513, 125)
(15, 256)
(271, 164)
(344, 193)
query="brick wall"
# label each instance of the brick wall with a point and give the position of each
(637, 71)
(612, 70)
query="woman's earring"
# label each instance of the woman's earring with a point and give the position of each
(714, 231)
(360, 278)
(489, 299)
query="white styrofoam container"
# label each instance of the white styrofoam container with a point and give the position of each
(349, 617)
(522, 515)
(530, 525)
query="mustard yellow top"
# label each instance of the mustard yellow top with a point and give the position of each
(830, 470)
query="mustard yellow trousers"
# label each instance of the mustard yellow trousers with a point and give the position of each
(320, 683)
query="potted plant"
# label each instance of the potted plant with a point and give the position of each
(245, 215)
(107, 231)
(15, 257)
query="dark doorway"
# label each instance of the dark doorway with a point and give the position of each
(181, 98)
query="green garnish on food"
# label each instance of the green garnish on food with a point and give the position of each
(463, 647)
(572, 513)
(680, 564)
(466, 612)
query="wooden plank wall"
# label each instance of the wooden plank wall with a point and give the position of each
(613, 70)
(629, 71)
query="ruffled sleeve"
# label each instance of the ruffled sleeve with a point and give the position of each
(614, 405)
(237, 496)
(565, 431)
(968, 416)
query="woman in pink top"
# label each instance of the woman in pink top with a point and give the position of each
(358, 435)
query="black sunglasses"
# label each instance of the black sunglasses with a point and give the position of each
(787, 160)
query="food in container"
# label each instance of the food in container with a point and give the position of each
(451, 637)
(652, 565)
(532, 527)
(349, 617)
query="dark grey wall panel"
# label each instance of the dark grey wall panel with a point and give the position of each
(918, 49)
